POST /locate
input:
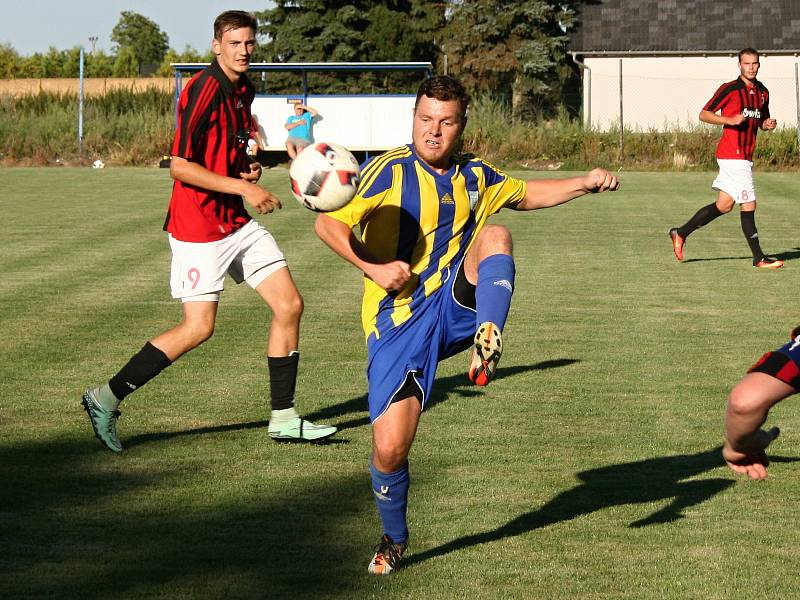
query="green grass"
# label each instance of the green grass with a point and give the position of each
(589, 469)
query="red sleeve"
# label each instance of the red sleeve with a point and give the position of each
(719, 99)
(194, 112)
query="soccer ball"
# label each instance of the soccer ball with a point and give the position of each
(324, 176)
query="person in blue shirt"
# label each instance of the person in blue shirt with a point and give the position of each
(301, 129)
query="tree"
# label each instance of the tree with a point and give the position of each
(188, 55)
(126, 64)
(351, 31)
(99, 64)
(512, 49)
(142, 37)
(10, 62)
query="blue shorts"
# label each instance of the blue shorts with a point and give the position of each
(440, 327)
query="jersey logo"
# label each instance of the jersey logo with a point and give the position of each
(752, 113)
(239, 104)
(474, 196)
(446, 199)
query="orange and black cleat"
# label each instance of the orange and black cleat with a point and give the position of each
(677, 243)
(765, 262)
(387, 556)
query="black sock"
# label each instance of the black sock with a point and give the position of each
(141, 368)
(282, 380)
(751, 234)
(704, 216)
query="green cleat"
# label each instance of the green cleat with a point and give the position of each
(299, 430)
(104, 422)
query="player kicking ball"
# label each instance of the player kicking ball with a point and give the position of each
(774, 377)
(211, 234)
(743, 107)
(437, 278)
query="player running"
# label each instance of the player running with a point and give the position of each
(438, 279)
(743, 105)
(211, 234)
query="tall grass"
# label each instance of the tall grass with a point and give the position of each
(131, 127)
(125, 127)
(564, 143)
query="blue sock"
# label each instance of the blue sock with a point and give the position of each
(391, 498)
(495, 288)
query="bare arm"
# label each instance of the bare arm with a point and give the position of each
(706, 116)
(314, 112)
(341, 239)
(544, 193)
(197, 175)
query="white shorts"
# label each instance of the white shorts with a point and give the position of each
(198, 269)
(735, 178)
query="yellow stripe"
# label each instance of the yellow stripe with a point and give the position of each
(373, 169)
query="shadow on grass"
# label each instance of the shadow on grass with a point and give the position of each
(76, 523)
(784, 256)
(458, 384)
(639, 482)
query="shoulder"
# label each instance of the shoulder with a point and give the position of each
(761, 87)
(377, 173)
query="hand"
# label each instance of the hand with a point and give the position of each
(391, 276)
(260, 199)
(736, 119)
(754, 461)
(769, 124)
(600, 180)
(254, 174)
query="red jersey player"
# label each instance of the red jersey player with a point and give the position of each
(743, 107)
(211, 235)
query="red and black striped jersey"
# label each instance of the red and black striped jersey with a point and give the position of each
(737, 97)
(213, 128)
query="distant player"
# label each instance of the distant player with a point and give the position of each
(438, 279)
(211, 234)
(774, 377)
(743, 107)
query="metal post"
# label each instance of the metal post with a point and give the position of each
(177, 95)
(586, 100)
(621, 122)
(80, 104)
(797, 104)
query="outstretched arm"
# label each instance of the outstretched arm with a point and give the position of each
(544, 193)
(340, 238)
(748, 406)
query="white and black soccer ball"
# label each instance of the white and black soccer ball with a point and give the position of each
(324, 176)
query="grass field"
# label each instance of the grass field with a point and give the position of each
(589, 469)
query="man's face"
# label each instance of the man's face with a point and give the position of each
(437, 126)
(748, 65)
(234, 50)
(298, 111)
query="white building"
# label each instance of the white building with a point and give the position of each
(654, 64)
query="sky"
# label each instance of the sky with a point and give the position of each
(34, 25)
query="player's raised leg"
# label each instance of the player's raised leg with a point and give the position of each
(102, 403)
(392, 436)
(285, 424)
(490, 266)
(701, 218)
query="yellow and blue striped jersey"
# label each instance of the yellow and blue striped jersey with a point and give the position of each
(407, 211)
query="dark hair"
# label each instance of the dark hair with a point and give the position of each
(444, 88)
(752, 51)
(233, 19)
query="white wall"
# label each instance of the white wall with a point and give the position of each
(356, 122)
(661, 93)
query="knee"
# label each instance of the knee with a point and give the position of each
(289, 307)
(725, 207)
(389, 458)
(743, 403)
(495, 239)
(198, 332)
